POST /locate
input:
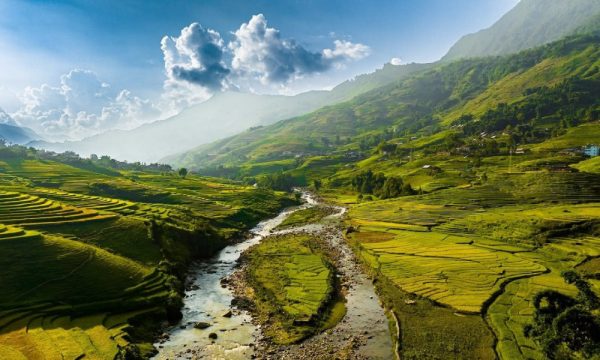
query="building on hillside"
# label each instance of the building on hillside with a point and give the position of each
(520, 151)
(592, 150)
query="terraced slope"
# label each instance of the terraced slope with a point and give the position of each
(455, 271)
(93, 257)
(29, 210)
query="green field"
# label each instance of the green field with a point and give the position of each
(293, 287)
(306, 216)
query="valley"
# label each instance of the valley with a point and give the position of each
(436, 210)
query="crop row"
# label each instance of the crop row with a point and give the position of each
(447, 269)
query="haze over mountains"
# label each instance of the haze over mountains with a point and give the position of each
(530, 23)
(223, 115)
(517, 30)
(11, 132)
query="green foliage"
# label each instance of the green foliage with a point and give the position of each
(278, 181)
(378, 184)
(564, 326)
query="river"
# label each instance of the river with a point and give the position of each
(206, 300)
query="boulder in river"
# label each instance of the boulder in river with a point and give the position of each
(201, 325)
(212, 336)
(228, 314)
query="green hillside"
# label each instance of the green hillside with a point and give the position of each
(469, 193)
(530, 23)
(94, 255)
(421, 106)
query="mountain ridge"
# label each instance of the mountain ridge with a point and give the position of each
(517, 30)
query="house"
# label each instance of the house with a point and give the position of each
(592, 150)
(520, 151)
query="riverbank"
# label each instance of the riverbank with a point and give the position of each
(354, 328)
(229, 334)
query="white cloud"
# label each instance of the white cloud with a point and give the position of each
(197, 63)
(260, 52)
(194, 66)
(6, 119)
(80, 106)
(346, 50)
(396, 61)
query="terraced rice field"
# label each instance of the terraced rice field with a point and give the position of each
(30, 210)
(513, 309)
(449, 270)
(123, 207)
(52, 337)
(292, 282)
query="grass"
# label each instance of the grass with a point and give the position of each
(306, 216)
(293, 287)
(591, 165)
(578, 136)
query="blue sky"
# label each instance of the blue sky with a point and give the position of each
(120, 41)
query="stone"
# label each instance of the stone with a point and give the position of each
(201, 325)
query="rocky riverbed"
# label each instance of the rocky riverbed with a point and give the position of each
(217, 321)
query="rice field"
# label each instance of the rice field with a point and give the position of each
(293, 285)
(450, 270)
(482, 248)
(30, 210)
(87, 253)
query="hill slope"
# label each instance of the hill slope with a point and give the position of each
(17, 135)
(530, 23)
(424, 103)
(225, 114)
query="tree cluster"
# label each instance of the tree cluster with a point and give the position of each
(381, 186)
(567, 327)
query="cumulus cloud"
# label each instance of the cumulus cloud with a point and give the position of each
(79, 106)
(396, 61)
(260, 51)
(197, 62)
(196, 56)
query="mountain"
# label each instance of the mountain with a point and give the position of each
(11, 132)
(223, 115)
(427, 102)
(530, 23)
(17, 134)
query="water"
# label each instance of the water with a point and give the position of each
(208, 301)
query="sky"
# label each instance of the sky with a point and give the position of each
(73, 68)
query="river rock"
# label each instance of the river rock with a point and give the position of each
(213, 336)
(202, 325)
(228, 314)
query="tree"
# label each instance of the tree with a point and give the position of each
(317, 184)
(392, 187)
(183, 172)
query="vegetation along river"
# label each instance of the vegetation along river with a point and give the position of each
(364, 330)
